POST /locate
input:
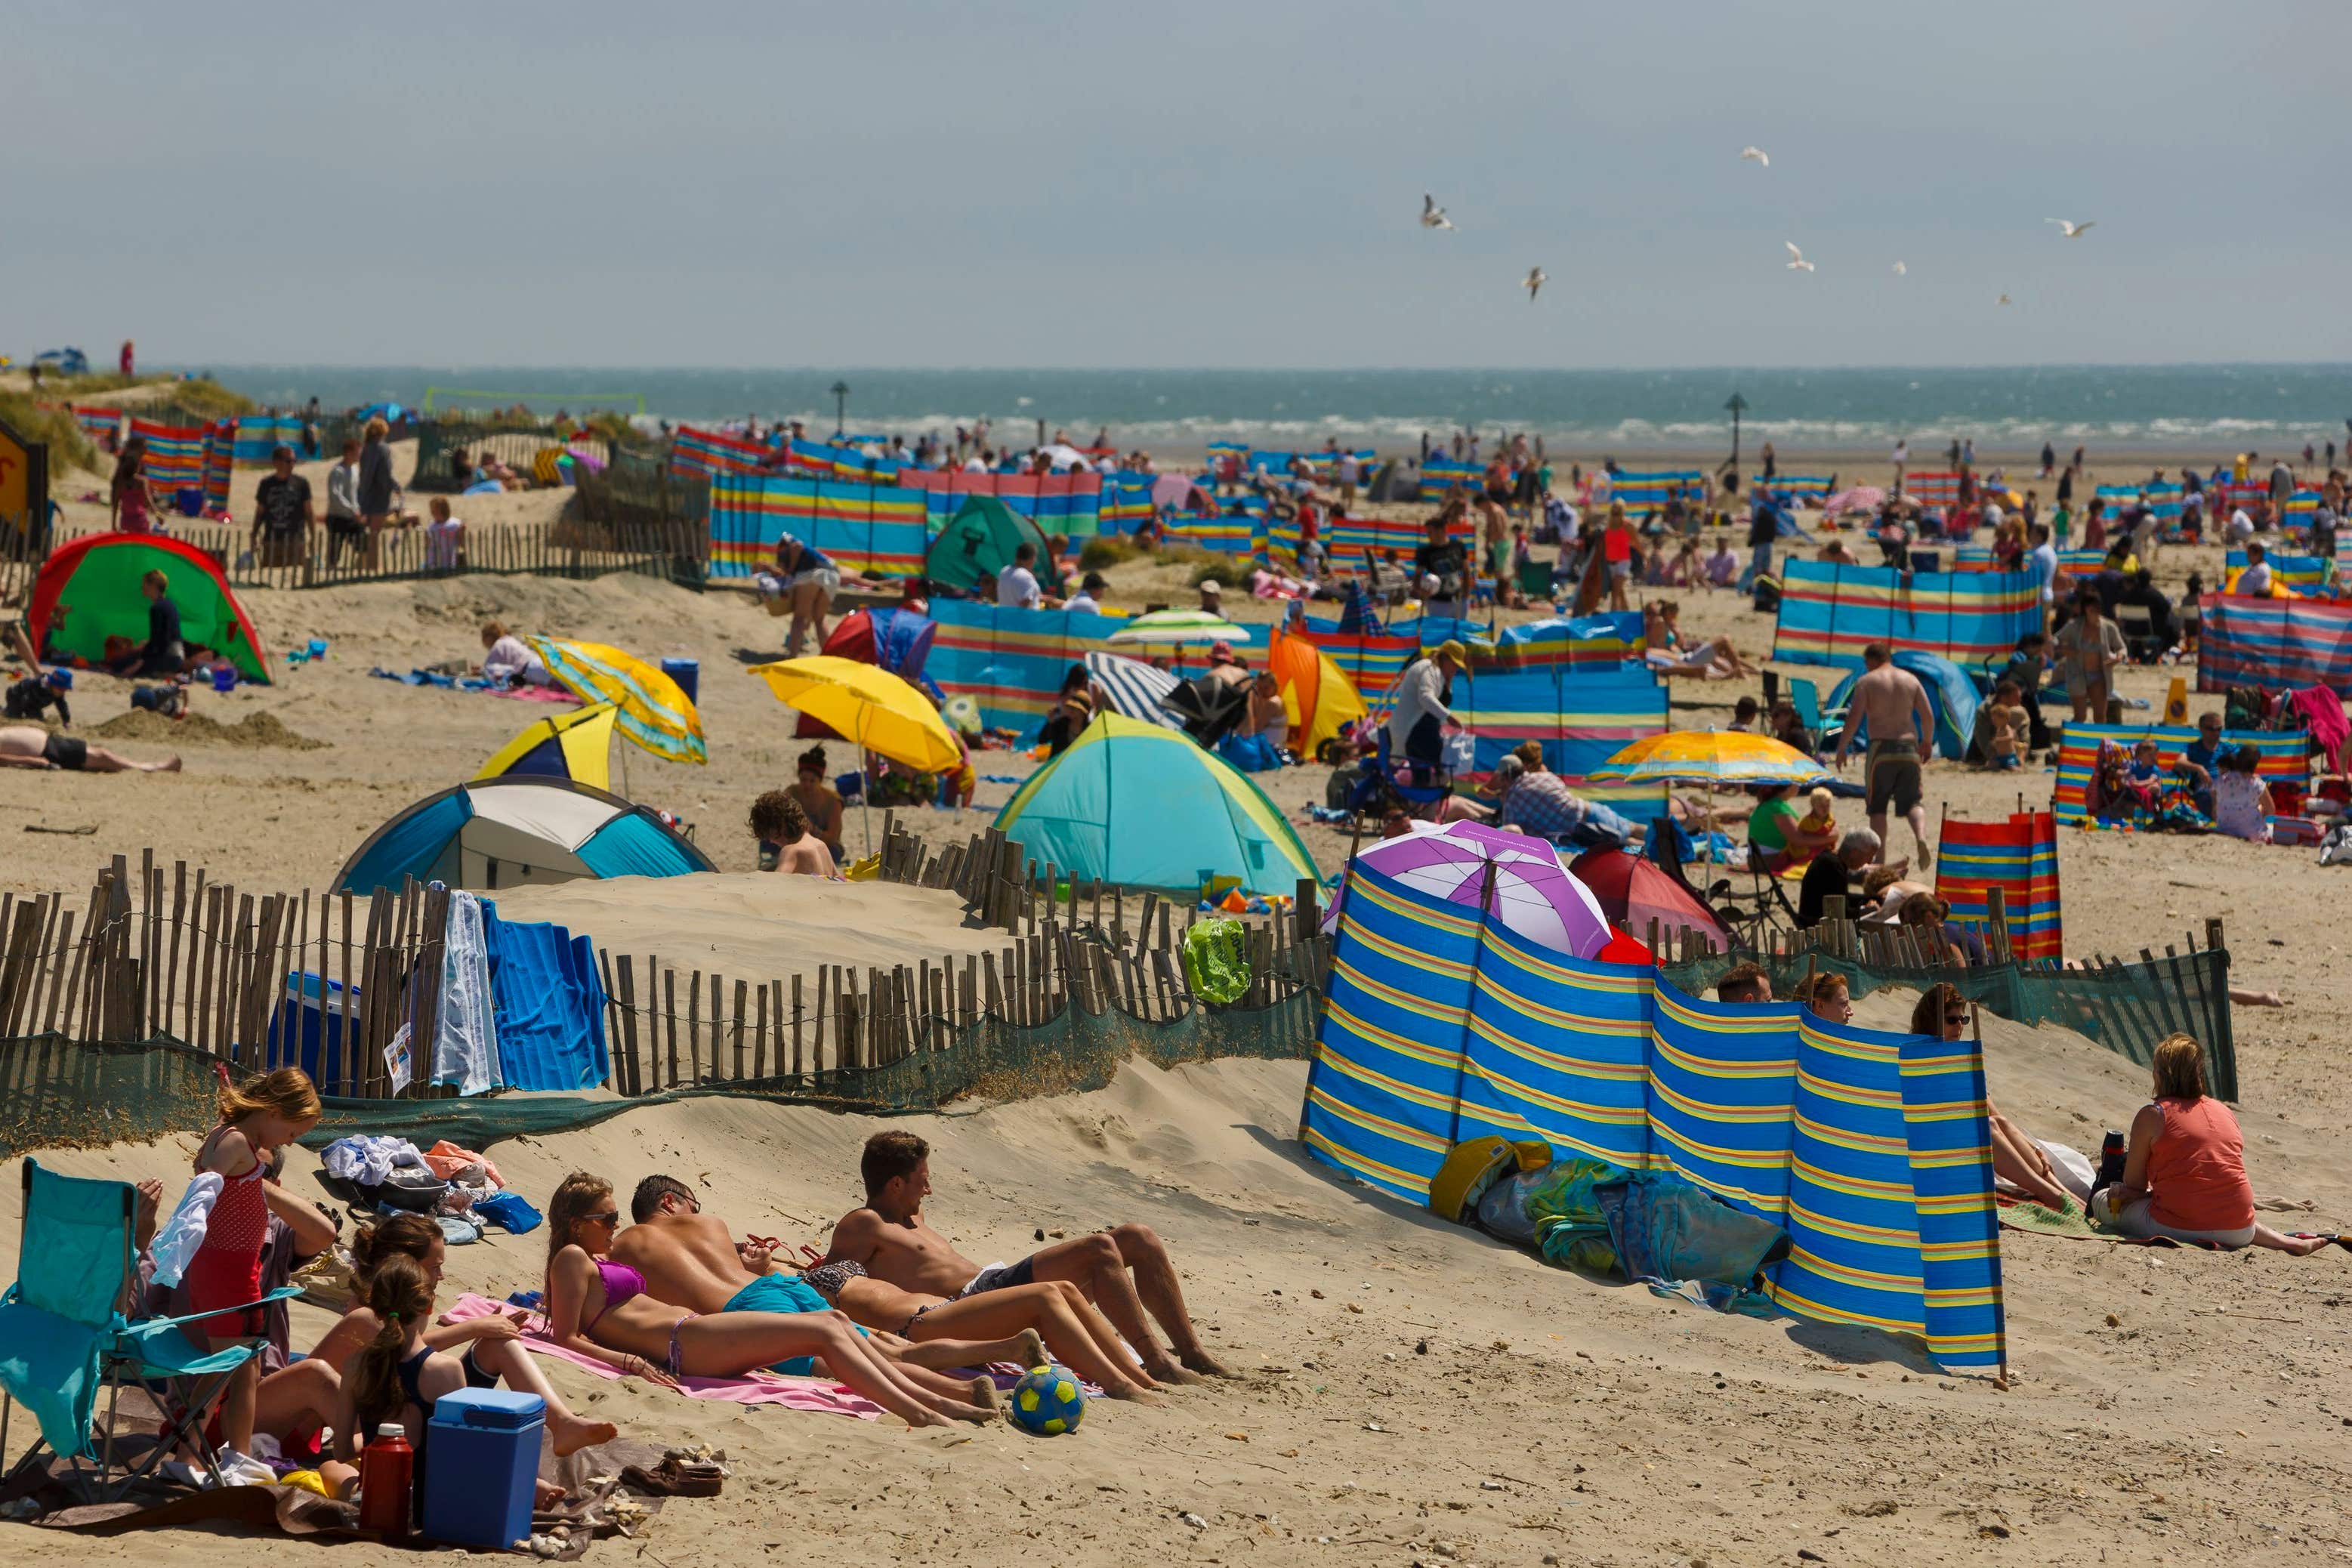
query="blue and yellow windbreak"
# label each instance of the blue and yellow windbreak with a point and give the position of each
(1011, 661)
(1872, 1150)
(2279, 645)
(878, 530)
(1830, 613)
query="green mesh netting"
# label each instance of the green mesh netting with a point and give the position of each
(59, 1094)
(1070, 1054)
(1216, 959)
(2126, 1008)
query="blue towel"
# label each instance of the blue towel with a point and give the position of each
(549, 1003)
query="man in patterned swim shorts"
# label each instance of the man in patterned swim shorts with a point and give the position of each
(1126, 1272)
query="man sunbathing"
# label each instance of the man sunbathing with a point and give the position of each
(691, 1259)
(891, 1241)
(30, 746)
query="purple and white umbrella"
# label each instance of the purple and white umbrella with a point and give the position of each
(1534, 894)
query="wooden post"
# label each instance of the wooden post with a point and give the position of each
(632, 1079)
(796, 1018)
(668, 1022)
(742, 996)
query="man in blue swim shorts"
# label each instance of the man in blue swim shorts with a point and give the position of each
(691, 1259)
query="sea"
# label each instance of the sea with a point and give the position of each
(2185, 407)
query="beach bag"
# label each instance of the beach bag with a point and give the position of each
(411, 1187)
(1215, 954)
(1460, 754)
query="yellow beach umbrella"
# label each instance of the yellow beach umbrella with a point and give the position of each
(870, 706)
(877, 710)
(1710, 756)
(653, 710)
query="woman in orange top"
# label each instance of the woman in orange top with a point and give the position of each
(2185, 1171)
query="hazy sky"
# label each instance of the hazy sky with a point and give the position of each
(1204, 184)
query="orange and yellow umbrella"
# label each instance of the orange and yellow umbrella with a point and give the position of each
(1710, 756)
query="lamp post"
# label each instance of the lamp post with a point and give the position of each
(840, 390)
(1737, 407)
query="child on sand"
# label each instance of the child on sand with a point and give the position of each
(444, 539)
(2010, 726)
(397, 1378)
(781, 825)
(225, 1275)
(1820, 820)
(2241, 801)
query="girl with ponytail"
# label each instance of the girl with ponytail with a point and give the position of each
(488, 1349)
(397, 1378)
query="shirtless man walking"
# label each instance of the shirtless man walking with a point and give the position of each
(1893, 705)
(692, 1259)
(892, 1241)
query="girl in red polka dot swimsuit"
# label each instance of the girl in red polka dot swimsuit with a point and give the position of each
(224, 1276)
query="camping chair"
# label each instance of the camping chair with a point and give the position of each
(1748, 916)
(1378, 786)
(62, 1335)
(2139, 632)
(1807, 696)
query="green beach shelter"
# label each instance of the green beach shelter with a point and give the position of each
(89, 590)
(979, 542)
(1144, 806)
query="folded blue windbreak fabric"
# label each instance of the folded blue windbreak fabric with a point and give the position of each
(549, 1003)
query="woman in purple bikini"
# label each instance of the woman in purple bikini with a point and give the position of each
(599, 1308)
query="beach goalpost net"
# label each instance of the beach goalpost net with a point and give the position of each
(468, 399)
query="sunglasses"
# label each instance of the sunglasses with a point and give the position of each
(604, 1216)
(1955, 1017)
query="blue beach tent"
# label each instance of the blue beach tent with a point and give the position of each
(1950, 693)
(514, 831)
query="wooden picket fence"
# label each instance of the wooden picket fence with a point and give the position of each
(567, 548)
(154, 955)
(1068, 947)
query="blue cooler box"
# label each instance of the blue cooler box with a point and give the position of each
(484, 1443)
(687, 673)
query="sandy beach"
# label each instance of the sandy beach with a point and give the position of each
(1412, 1392)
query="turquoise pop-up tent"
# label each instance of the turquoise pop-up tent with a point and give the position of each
(1143, 806)
(1950, 693)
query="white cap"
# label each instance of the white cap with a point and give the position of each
(1211, 587)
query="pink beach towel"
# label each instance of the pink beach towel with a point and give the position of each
(528, 693)
(751, 1389)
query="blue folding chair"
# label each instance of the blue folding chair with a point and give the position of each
(1808, 699)
(1376, 782)
(63, 1335)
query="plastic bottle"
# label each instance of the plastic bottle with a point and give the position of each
(387, 1473)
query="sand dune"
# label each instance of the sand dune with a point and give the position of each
(1414, 1386)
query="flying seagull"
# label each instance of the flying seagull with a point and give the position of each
(1432, 215)
(1535, 279)
(2002, 301)
(1796, 262)
(2073, 230)
(1900, 269)
(1755, 155)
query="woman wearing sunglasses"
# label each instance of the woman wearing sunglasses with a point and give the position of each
(598, 1307)
(2017, 1160)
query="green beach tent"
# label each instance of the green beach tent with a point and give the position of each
(1144, 806)
(979, 542)
(89, 590)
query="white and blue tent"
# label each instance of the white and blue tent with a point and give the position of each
(516, 830)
